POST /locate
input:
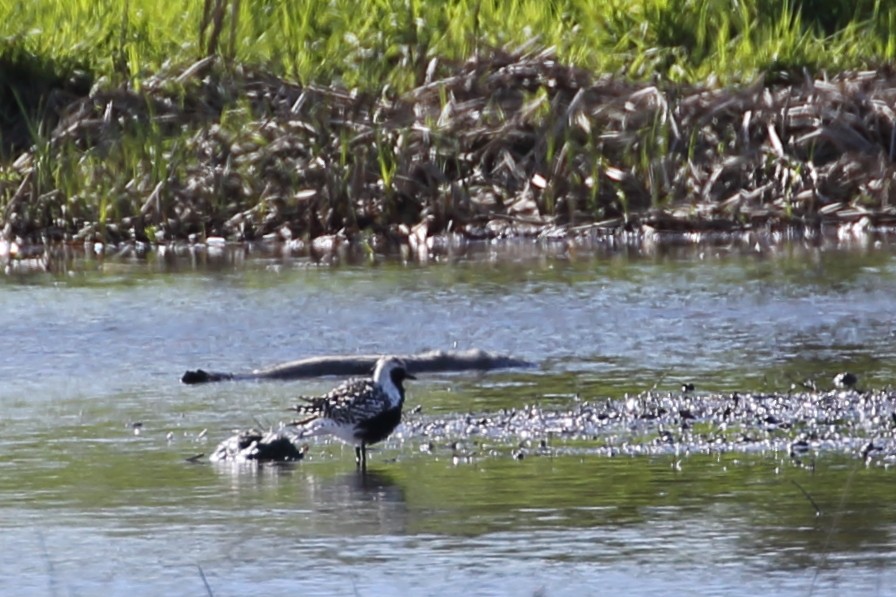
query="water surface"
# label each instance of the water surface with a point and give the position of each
(97, 497)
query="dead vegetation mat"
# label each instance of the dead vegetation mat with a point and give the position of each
(504, 144)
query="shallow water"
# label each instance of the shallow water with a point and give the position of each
(94, 503)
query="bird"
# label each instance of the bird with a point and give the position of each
(846, 380)
(252, 445)
(359, 411)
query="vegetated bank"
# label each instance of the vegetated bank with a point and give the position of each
(467, 141)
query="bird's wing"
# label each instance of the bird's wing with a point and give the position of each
(353, 399)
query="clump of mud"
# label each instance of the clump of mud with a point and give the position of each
(506, 144)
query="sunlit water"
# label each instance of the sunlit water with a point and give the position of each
(92, 504)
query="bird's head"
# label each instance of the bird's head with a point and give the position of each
(393, 369)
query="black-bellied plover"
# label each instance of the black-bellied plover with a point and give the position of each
(252, 445)
(359, 411)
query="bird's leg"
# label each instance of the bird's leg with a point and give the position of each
(361, 457)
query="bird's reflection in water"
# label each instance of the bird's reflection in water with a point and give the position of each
(356, 502)
(347, 502)
(253, 474)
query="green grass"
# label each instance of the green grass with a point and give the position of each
(391, 41)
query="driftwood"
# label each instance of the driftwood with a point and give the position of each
(434, 361)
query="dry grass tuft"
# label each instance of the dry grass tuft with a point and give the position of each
(506, 143)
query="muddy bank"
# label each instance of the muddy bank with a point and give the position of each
(506, 144)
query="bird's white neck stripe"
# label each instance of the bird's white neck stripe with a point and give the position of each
(383, 378)
(391, 391)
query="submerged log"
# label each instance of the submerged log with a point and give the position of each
(434, 361)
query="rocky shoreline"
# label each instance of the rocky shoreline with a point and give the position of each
(554, 243)
(800, 425)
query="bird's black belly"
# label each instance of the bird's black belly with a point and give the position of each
(378, 428)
